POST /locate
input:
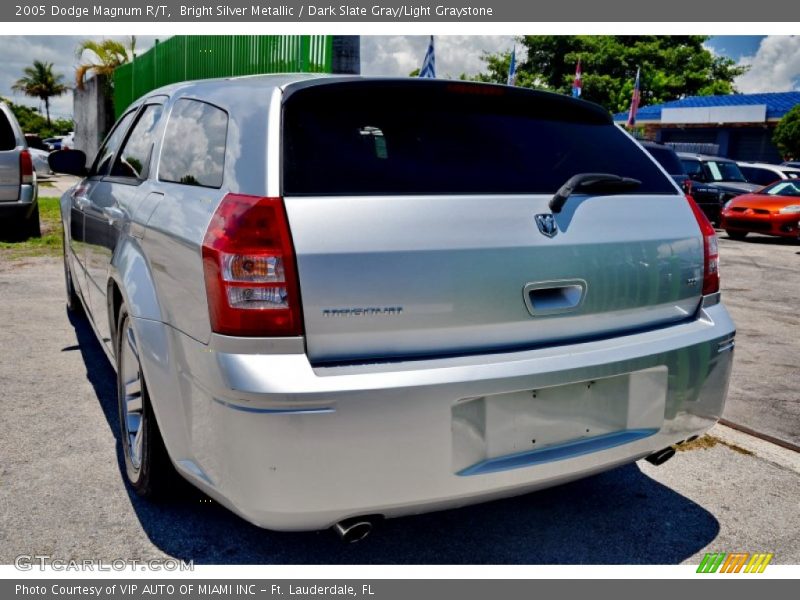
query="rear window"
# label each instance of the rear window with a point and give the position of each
(7, 139)
(759, 176)
(414, 137)
(667, 158)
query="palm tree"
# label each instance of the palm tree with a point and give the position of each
(105, 56)
(40, 82)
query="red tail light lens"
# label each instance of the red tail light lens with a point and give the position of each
(249, 267)
(25, 167)
(687, 185)
(710, 249)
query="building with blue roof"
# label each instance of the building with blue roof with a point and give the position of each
(738, 126)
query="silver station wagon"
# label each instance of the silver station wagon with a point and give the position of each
(331, 300)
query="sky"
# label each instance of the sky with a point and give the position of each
(774, 60)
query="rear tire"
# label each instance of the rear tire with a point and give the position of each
(147, 465)
(736, 235)
(30, 224)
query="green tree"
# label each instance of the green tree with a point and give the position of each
(100, 58)
(41, 82)
(497, 71)
(32, 121)
(672, 67)
(787, 134)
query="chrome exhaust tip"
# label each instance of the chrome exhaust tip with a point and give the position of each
(354, 529)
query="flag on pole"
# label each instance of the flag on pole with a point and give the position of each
(634, 101)
(428, 68)
(578, 83)
(512, 68)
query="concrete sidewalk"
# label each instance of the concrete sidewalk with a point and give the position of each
(58, 184)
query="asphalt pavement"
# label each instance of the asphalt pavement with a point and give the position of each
(62, 492)
(761, 288)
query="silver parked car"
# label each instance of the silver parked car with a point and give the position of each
(19, 206)
(333, 299)
(40, 163)
(763, 174)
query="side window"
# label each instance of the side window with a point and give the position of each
(693, 169)
(7, 139)
(134, 159)
(102, 163)
(193, 152)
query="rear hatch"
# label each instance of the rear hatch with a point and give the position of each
(9, 161)
(413, 209)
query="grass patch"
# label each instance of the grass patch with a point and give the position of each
(709, 441)
(47, 245)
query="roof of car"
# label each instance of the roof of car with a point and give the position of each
(760, 165)
(653, 144)
(699, 156)
(270, 80)
(223, 89)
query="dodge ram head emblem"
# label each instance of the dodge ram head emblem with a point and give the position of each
(547, 224)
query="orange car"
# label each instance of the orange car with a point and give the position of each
(772, 210)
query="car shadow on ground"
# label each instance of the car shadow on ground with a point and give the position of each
(12, 233)
(619, 517)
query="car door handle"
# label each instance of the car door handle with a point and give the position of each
(113, 214)
(82, 202)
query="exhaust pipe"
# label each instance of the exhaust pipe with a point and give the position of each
(354, 529)
(660, 457)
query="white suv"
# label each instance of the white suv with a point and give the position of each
(765, 173)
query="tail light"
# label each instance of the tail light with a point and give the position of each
(710, 249)
(25, 167)
(249, 267)
(687, 186)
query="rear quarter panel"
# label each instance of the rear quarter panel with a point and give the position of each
(175, 231)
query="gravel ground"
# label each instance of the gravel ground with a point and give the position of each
(62, 494)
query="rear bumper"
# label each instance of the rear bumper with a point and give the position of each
(289, 446)
(779, 225)
(23, 205)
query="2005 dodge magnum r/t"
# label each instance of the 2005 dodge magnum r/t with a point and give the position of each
(331, 298)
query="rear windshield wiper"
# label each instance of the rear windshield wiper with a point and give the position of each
(594, 183)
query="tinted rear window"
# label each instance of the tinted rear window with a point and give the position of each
(7, 139)
(759, 176)
(449, 138)
(667, 159)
